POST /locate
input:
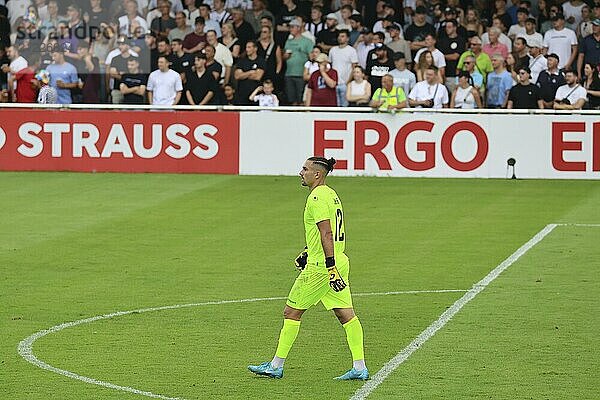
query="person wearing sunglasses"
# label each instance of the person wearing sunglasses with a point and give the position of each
(525, 95)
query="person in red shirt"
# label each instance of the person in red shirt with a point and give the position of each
(27, 84)
(195, 41)
(321, 85)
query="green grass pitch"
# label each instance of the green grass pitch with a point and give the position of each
(74, 246)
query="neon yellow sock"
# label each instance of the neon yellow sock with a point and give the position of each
(287, 337)
(354, 336)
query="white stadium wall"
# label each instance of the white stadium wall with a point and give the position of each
(420, 144)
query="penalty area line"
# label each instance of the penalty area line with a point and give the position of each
(377, 379)
(25, 347)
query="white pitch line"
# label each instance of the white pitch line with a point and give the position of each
(25, 347)
(403, 355)
(581, 225)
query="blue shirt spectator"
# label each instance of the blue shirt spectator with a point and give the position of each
(63, 77)
(499, 83)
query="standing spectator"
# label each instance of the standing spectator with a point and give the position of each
(222, 55)
(202, 87)
(47, 94)
(131, 10)
(519, 29)
(17, 63)
(316, 23)
(502, 38)
(133, 83)
(546, 22)
(525, 95)
(209, 24)
(267, 98)
(190, 11)
(63, 77)
(25, 92)
(477, 81)
(259, 11)
(358, 29)
(472, 23)
(589, 48)
(272, 54)
(521, 53)
(530, 33)
(452, 46)
(592, 86)
(465, 96)
(287, 14)
(358, 92)
(425, 61)
(195, 41)
(182, 29)
(93, 17)
(311, 65)
(537, 61)
(562, 41)
(162, 25)
(327, 38)
(438, 57)
(164, 85)
(402, 76)
(501, 14)
(164, 48)
(550, 80)
(379, 67)
(572, 12)
(213, 66)
(483, 64)
(343, 59)
(321, 85)
(570, 96)
(230, 40)
(364, 47)
(396, 43)
(388, 97)
(499, 82)
(219, 13)
(429, 93)
(118, 66)
(418, 30)
(89, 76)
(585, 28)
(494, 46)
(243, 29)
(181, 62)
(297, 48)
(249, 72)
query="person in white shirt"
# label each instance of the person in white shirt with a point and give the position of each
(343, 59)
(17, 63)
(429, 93)
(402, 76)
(530, 33)
(572, 12)
(219, 13)
(518, 28)
(131, 9)
(222, 55)
(562, 41)
(267, 98)
(438, 57)
(537, 61)
(571, 96)
(16, 9)
(209, 24)
(164, 85)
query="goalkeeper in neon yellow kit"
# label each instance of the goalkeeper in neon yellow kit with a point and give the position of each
(324, 276)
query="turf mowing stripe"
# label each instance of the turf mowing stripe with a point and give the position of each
(431, 330)
(25, 347)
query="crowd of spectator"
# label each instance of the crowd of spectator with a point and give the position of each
(388, 54)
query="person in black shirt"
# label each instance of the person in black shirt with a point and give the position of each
(327, 38)
(215, 69)
(550, 80)
(379, 67)
(133, 83)
(525, 95)
(118, 66)
(418, 30)
(181, 61)
(520, 53)
(201, 86)
(249, 72)
(242, 28)
(452, 45)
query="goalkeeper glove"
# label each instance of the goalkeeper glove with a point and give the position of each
(335, 279)
(300, 261)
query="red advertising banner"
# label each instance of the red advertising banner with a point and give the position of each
(119, 141)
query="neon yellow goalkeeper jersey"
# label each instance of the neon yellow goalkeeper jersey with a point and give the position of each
(323, 203)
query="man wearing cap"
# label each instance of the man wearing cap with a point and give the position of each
(589, 48)
(118, 67)
(550, 80)
(327, 38)
(296, 51)
(530, 33)
(321, 85)
(452, 45)
(537, 61)
(416, 32)
(562, 41)
(343, 59)
(396, 43)
(450, 14)
(402, 76)
(524, 95)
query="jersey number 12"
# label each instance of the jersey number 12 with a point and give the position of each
(339, 224)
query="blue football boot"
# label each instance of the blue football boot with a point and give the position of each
(353, 374)
(266, 369)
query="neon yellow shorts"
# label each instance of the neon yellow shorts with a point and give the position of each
(311, 287)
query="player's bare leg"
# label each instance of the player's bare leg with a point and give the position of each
(354, 336)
